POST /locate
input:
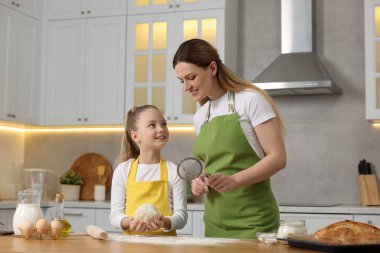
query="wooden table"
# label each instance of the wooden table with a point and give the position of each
(86, 244)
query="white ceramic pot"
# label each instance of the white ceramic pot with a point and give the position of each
(70, 192)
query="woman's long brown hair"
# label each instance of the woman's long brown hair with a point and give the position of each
(201, 53)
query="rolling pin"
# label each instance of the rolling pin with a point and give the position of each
(96, 232)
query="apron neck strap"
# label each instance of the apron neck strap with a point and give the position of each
(231, 101)
(231, 105)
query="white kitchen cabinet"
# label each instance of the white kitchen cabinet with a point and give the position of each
(153, 6)
(187, 230)
(71, 9)
(153, 40)
(194, 226)
(103, 220)
(314, 221)
(32, 8)
(19, 66)
(372, 59)
(198, 224)
(77, 217)
(371, 219)
(6, 216)
(85, 71)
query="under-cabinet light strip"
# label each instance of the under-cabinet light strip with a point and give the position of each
(174, 128)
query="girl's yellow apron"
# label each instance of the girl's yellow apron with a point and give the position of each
(150, 192)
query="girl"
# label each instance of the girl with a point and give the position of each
(144, 177)
(239, 140)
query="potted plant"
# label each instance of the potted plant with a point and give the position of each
(70, 185)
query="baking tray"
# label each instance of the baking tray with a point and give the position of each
(324, 247)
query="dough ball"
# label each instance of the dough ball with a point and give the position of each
(145, 212)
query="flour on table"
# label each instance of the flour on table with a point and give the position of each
(145, 212)
(178, 240)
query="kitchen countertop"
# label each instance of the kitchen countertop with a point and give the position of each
(87, 244)
(332, 209)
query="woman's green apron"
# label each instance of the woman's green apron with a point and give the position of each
(223, 148)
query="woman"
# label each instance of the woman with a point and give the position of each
(239, 140)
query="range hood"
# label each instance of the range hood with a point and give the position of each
(298, 70)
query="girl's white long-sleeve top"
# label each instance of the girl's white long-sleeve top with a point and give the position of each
(148, 172)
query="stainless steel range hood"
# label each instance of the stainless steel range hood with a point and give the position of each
(298, 70)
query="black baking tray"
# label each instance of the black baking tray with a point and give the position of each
(324, 247)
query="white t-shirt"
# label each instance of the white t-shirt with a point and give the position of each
(148, 172)
(252, 108)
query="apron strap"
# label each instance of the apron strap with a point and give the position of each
(231, 105)
(231, 101)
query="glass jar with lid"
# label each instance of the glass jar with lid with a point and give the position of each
(287, 227)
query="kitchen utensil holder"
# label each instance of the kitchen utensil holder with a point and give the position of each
(369, 192)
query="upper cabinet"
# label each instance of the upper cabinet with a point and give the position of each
(69, 62)
(152, 42)
(159, 6)
(372, 59)
(19, 66)
(32, 8)
(85, 71)
(71, 9)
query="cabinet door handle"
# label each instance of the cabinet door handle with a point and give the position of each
(175, 117)
(177, 5)
(74, 214)
(13, 3)
(82, 12)
(17, 5)
(86, 119)
(170, 6)
(79, 119)
(169, 118)
(369, 222)
(88, 12)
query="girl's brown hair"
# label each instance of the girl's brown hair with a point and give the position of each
(129, 149)
(201, 53)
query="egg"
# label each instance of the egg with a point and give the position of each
(27, 228)
(56, 228)
(42, 227)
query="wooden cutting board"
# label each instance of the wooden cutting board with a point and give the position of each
(87, 167)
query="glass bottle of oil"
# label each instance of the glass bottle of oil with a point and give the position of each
(59, 215)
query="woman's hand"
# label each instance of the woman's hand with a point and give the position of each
(222, 183)
(199, 186)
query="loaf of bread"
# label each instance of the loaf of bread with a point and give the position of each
(348, 232)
